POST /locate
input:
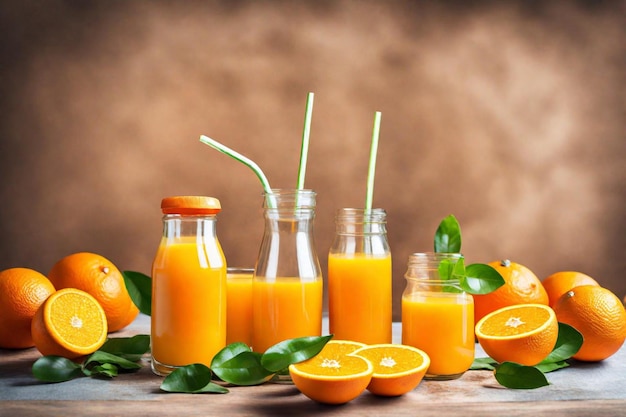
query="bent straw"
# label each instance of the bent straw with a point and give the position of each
(239, 157)
(304, 150)
(372, 164)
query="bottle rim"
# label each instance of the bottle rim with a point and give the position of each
(361, 215)
(190, 204)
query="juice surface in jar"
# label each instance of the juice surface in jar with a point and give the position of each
(359, 288)
(285, 309)
(442, 325)
(188, 319)
(239, 306)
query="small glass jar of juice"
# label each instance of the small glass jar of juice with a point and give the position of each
(188, 321)
(239, 305)
(360, 277)
(287, 285)
(438, 316)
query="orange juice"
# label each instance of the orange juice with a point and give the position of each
(285, 308)
(188, 303)
(239, 306)
(359, 297)
(442, 325)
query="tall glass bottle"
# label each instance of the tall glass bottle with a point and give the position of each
(287, 283)
(188, 286)
(360, 277)
(438, 316)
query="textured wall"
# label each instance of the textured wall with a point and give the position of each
(508, 114)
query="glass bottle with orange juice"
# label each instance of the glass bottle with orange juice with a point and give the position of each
(360, 277)
(287, 283)
(437, 315)
(188, 320)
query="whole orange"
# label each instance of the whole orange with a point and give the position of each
(99, 277)
(521, 286)
(559, 283)
(22, 291)
(598, 315)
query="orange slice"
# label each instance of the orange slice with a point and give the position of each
(333, 376)
(71, 323)
(523, 333)
(398, 369)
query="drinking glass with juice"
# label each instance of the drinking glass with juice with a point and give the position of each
(360, 277)
(239, 305)
(287, 285)
(188, 320)
(438, 317)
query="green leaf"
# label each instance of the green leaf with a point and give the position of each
(139, 288)
(131, 348)
(100, 357)
(567, 344)
(56, 369)
(451, 269)
(243, 369)
(448, 236)
(106, 369)
(481, 279)
(191, 379)
(229, 352)
(551, 366)
(514, 375)
(283, 354)
(487, 364)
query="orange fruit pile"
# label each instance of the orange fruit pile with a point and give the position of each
(344, 369)
(22, 291)
(70, 323)
(522, 333)
(598, 315)
(559, 283)
(521, 286)
(97, 276)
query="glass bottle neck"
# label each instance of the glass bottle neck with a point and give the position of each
(176, 226)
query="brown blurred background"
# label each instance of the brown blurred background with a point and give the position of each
(511, 115)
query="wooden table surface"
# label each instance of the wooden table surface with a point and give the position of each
(583, 389)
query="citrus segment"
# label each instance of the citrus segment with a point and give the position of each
(333, 376)
(99, 277)
(524, 333)
(559, 283)
(521, 286)
(22, 291)
(598, 315)
(398, 369)
(71, 323)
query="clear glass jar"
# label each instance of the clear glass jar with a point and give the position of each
(287, 284)
(438, 316)
(188, 321)
(360, 277)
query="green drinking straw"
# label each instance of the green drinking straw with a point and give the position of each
(239, 157)
(372, 165)
(306, 132)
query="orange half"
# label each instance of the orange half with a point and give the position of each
(398, 369)
(71, 323)
(523, 333)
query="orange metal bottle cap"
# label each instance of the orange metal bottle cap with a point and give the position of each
(190, 204)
